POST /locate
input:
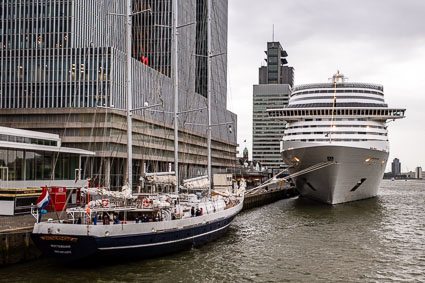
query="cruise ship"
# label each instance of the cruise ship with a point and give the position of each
(336, 135)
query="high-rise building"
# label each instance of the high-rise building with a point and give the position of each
(396, 167)
(62, 71)
(418, 173)
(276, 71)
(273, 91)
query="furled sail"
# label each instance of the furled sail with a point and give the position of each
(199, 183)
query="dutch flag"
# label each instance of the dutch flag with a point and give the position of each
(43, 199)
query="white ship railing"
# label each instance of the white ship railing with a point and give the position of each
(376, 113)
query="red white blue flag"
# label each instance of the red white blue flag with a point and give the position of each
(43, 199)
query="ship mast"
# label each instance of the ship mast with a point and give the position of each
(128, 26)
(209, 54)
(174, 72)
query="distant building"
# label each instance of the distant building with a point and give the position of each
(418, 173)
(410, 175)
(396, 167)
(274, 88)
(245, 154)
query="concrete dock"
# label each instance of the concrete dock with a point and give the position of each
(269, 194)
(15, 241)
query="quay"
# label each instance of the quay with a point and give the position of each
(15, 241)
(15, 238)
(271, 193)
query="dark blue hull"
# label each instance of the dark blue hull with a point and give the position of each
(73, 248)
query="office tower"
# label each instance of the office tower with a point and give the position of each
(273, 91)
(62, 67)
(396, 167)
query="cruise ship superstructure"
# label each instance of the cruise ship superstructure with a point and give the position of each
(337, 134)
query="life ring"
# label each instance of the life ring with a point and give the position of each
(105, 202)
(146, 203)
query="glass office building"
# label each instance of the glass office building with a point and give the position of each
(62, 71)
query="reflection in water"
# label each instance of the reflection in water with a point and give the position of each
(378, 239)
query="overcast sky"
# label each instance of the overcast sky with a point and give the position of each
(370, 41)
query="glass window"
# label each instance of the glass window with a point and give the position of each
(30, 165)
(19, 165)
(273, 51)
(38, 166)
(59, 168)
(11, 164)
(3, 164)
(272, 60)
(47, 166)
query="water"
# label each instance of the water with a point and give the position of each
(296, 240)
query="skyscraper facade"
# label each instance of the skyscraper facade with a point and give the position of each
(396, 167)
(273, 91)
(62, 71)
(418, 172)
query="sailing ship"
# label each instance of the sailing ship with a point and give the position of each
(143, 225)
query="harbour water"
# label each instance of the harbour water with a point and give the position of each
(293, 240)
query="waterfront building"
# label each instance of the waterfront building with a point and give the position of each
(273, 91)
(62, 71)
(418, 172)
(410, 175)
(30, 159)
(396, 167)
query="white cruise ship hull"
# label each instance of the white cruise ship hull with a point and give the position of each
(356, 174)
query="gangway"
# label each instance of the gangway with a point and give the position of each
(275, 180)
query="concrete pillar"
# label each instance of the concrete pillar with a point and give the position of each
(107, 172)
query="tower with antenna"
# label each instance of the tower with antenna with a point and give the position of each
(276, 80)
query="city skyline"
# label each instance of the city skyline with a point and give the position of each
(367, 42)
